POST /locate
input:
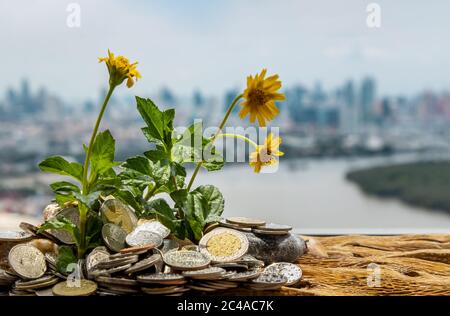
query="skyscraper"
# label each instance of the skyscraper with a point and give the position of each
(367, 99)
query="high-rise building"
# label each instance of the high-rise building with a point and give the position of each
(367, 99)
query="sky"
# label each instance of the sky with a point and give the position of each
(212, 45)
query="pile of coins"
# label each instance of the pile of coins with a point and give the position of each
(140, 258)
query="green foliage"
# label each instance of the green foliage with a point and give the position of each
(162, 170)
(65, 258)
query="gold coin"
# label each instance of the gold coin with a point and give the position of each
(83, 288)
(115, 212)
(224, 245)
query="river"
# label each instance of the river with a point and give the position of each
(314, 197)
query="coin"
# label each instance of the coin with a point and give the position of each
(162, 278)
(30, 228)
(42, 282)
(15, 236)
(84, 288)
(269, 280)
(114, 237)
(144, 264)
(115, 212)
(116, 262)
(73, 215)
(169, 244)
(106, 272)
(116, 281)
(138, 250)
(143, 237)
(233, 226)
(50, 211)
(27, 261)
(201, 288)
(244, 276)
(275, 227)
(96, 256)
(292, 272)
(155, 227)
(224, 245)
(269, 232)
(44, 292)
(186, 260)
(210, 227)
(231, 265)
(164, 290)
(245, 221)
(208, 273)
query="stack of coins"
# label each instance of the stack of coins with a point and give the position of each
(138, 258)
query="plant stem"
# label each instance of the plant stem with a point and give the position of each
(242, 137)
(84, 181)
(150, 193)
(222, 124)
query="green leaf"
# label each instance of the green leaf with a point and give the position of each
(102, 158)
(157, 154)
(214, 200)
(135, 201)
(59, 222)
(165, 214)
(153, 117)
(88, 200)
(140, 164)
(168, 117)
(94, 225)
(64, 187)
(192, 147)
(58, 165)
(65, 258)
(62, 199)
(194, 210)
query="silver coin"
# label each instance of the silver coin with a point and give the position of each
(270, 278)
(144, 264)
(169, 244)
(155, 227)
(162, 278)
(96, 256)
(27, 261)
(143, 237)
(15, 236)
(275, 227)
(292, 272)
(73, 215)
(114, 237)
(244, 276)
(208, 273)
(186, 260)
(112, 263)
(116, 281)
(107, 272)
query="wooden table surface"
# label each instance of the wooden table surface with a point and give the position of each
(375, 265)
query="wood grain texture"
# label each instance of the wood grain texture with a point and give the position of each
(408, 265)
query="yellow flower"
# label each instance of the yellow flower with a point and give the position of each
(265, 155)
(260, 97)
(119, 69)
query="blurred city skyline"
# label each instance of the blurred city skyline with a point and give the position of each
(212, 45)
